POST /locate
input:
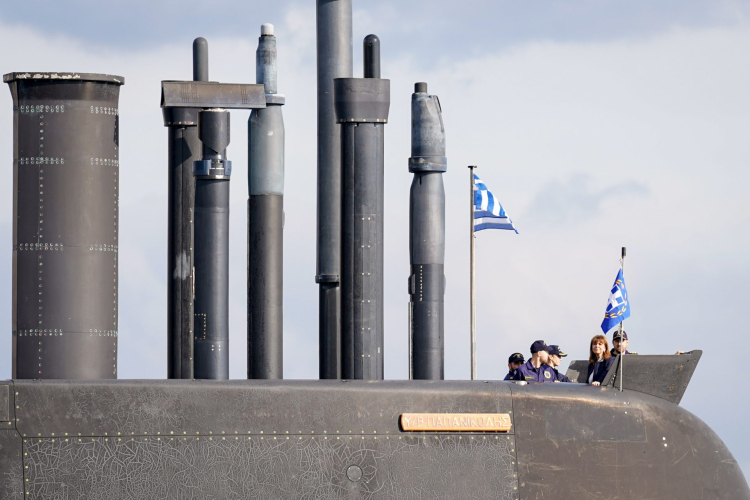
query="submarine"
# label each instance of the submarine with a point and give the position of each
(69, 429)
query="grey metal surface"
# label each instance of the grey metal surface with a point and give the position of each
(274, 439)
(362, 100)
(362, 252)
(577, 370)
(191, 94)
(258, 407)
(65, 224)
(211, 248)
(362, 210)
(371, 46)
(305, 439)
(334, 60)
(663, 376)
(62, 76)
(4, 404)
(578, 441)
(252, 468)
(427, 237)
(200, 60)
(265, 259)
(184, 149)
(265, 60)
(266, 151)
(265, 285)
(11, 465)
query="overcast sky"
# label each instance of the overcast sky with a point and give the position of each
(598, 124)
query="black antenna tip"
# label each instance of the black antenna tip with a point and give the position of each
(372, 56)
(200, 60)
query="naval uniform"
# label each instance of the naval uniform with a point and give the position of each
(599, 370)
(529, 373)
(613, 353)
(510, 375)
(561, 377)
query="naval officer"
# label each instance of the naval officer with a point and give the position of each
(555, 358)
(514, 361)
(620, 343)
(536, 369)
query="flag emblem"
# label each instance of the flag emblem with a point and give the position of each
(488, 212)
(618, 305)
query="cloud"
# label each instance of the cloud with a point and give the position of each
(565, 133)
(446, 28)
(563, 204)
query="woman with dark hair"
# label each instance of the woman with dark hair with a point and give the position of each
(600, 360)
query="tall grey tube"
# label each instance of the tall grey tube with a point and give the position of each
(427, 236)
(362, 106)
(211, 249)
(65, 224)
(184, 149)
(265, 271)
(334, 44)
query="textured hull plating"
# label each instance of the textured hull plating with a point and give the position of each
(321, 439)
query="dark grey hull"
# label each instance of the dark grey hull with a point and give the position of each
(300, 439)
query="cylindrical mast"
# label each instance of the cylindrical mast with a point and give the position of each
(65, 224)
(265, 277)
(334, 49)
(184, 149)
(211, 339)
(362, 106)
(427, 236)
(472, 284)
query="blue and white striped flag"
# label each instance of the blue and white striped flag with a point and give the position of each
(488, 212)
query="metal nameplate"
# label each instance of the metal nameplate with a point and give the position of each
(472, 422)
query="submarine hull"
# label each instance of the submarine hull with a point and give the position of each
(343, 439)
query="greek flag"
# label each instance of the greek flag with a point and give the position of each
(488, 212)
(618, 306)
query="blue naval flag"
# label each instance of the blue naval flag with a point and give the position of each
(618, 307)
(488, 212)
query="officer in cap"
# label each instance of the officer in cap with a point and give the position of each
(514, 361)
(555, 358)
(536, 369)
(620, 343)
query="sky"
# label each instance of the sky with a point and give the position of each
(597, 123)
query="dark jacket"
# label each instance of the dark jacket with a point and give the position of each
(528, 373)
(561, 377)
(510, 375)
(600, 369)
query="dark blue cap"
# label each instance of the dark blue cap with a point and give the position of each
(618, 335)
(516, 357)
(555, 349)
(539, 345)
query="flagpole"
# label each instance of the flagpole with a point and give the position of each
(622, 353)
(472, 237)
